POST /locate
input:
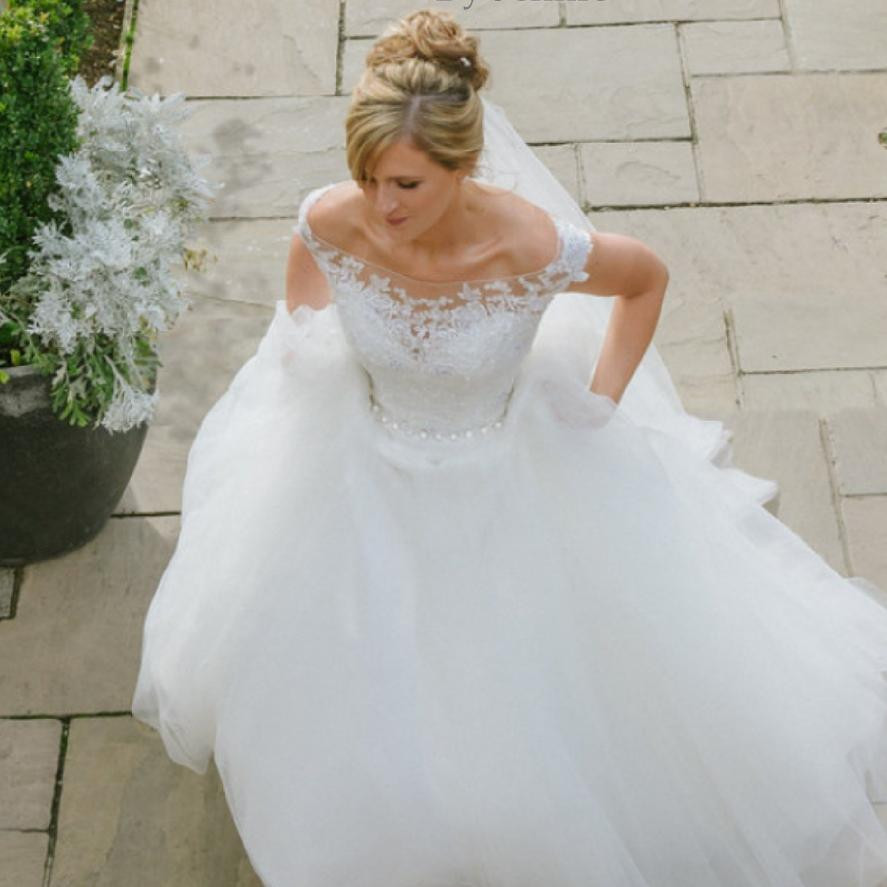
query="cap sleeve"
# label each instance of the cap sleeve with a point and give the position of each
(577, 246)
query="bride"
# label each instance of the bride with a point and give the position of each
(462, 594)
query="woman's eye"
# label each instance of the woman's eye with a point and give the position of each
(408, 186)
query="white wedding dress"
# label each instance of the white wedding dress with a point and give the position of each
(442, 616)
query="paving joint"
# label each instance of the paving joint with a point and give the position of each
(828, 447)
(691, 111)
(340, 48)
(58, 784)
(733, 352)
(787, 34)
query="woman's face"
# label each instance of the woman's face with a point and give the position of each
(406, 184)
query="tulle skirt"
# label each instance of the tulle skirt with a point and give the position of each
(576, 651)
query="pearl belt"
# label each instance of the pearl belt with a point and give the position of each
(399, 426)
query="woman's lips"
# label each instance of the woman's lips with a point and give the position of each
(396, 221)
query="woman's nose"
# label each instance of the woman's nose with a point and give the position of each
(386, 201)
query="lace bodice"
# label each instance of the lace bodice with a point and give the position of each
(442, 357)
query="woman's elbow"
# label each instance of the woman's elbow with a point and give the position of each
(662, 278)
(665, 275)
(654, 280)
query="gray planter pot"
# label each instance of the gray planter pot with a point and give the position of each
(59, 483)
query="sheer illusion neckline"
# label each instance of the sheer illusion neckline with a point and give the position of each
(318, 193)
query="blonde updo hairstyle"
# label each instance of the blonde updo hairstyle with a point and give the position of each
(420, 84)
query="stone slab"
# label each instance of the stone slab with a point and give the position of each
(823, 391)
(859, 438)
(786, 446)
(129, 816)
(712, 397)
(268, 153)
(371, 17)
(735, 47)
(29, 757)
(789, 137)
(777, 331)
(879, 377)
(806, 283)
(628, 84)
(865, 521)
(614, 11)
(638, 173)
(218, 48)
(563, 163)
(831, 34)
(74, 644)
(24, 858)
(201, 356)
(246, 261)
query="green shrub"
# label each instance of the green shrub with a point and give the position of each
(38, 124)
(68, 28)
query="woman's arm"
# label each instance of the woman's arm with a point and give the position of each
(306, 284)
(622, 266)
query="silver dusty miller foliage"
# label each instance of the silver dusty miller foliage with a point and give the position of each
(130, 193)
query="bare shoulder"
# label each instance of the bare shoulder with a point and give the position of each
(332, 217)
(531, 234)
(616, 264)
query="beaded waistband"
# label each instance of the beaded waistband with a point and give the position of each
(423, 432)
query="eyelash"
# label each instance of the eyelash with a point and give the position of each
(408, 187)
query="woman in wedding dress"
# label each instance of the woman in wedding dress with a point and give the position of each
(462, 595)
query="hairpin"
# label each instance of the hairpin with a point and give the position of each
(464, 61)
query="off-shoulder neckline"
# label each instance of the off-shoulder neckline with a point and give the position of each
(316, 193)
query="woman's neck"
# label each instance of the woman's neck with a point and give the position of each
(463, 234)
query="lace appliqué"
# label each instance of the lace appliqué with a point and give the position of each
(420, 315)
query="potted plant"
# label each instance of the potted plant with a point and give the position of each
(97, 196)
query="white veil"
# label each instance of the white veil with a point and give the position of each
(508, 162)
(574, 325)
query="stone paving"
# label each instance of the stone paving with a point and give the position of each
(739, 138)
